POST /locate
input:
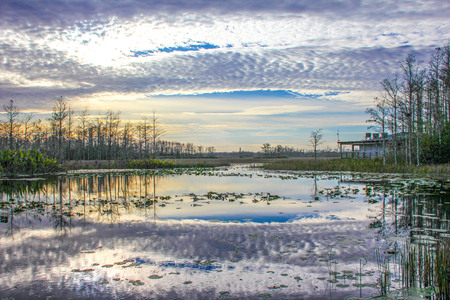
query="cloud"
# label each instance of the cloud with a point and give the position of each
(275, 110)
(247, 50)
(65, 13)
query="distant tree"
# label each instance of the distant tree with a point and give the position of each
(211, 150)
(279, 149)
(265, 148)
(316, 138)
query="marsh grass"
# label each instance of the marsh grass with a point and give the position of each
(424, 271)
(355, 165)
(442, 270)
(148, 163)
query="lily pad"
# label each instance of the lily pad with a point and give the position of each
(264, 295)
(224, 294)
(137, 282)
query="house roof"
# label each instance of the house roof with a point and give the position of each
(362, 142)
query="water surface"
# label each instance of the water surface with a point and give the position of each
(228, 233)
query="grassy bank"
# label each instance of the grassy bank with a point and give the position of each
(136, 164)
(298, 164)
(355, 165)
(168, 163)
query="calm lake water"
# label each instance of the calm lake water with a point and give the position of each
(236, 233)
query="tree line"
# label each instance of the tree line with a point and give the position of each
(413, 111)
(80, 135)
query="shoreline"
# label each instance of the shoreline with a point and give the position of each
(276, 163)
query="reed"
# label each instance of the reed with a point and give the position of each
(442, 270)
(427, 267)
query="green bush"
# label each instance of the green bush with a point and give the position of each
(16, 162)
(436, 148)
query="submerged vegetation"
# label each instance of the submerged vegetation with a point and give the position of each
(14, 162)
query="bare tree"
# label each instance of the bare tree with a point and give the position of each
(144, 129)
(83, 132)
(413, 95)
(11, 114)
(70, 122)
(445, 79)
(58, 117)
(391, 94)
(99, 134)
(156, 133)
(127, 139)
(316, 138)
(378, 119)
(112, 121)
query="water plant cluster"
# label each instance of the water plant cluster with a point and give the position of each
(15, 162)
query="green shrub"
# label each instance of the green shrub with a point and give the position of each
(16, 162)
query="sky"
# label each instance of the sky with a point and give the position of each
(230, 74)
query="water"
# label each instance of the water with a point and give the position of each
(230, 233)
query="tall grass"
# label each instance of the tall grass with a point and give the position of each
(355, 165)
(151, 164)
(442, 270)
(424, 266)
(424, 270)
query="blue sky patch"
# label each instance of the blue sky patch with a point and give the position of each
(188, 47)
(257, 94)
(241, 94)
